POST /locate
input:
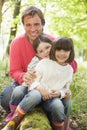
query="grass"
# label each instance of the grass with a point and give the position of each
(79, 97)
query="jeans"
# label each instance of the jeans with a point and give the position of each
(55, 108)
(30, 100)
(18, 94)
(6, 95)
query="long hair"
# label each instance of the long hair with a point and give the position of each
(63, 43)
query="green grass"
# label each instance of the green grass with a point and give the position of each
(79, 97)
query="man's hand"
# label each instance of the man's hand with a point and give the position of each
(29, 77)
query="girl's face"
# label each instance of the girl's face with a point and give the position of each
(43, 50)
(62, 56)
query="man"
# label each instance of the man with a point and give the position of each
(21, 51)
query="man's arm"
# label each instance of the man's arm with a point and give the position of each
(74, 65)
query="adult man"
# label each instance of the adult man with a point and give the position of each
(21, 51)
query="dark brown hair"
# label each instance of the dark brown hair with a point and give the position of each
(63, 43)
(31, 11)
(42, 38)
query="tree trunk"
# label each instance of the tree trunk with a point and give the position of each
(35, 120)
(85, 55)
(1, 5)
(14, 24)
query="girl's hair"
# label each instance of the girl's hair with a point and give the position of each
(63, 43)
(42, 38)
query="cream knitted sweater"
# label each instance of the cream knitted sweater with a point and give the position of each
(53, 76)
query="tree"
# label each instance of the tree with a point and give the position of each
(69, 18)
(1, 6)
(14, 24)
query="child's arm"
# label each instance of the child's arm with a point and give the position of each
(68, 94)
(65, 91)
(29, 78)
(62, 93)
(40, 87)
(30, 75)
(44, 92)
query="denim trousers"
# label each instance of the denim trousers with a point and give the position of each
(5, 96)
(55, 108)
(27, 100)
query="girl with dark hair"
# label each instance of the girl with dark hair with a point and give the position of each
(55, 75)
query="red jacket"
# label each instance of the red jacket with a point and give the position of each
(21, 53)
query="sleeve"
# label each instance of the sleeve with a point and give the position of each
(65, 89)
(34, 85)
(16, 70)
(33, 63)
(37, 82)
(74, 65)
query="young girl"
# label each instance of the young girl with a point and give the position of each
(42, 46)
(54, 76)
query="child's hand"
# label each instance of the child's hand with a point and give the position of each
(55, 93)
(68, 95)
(44, 92)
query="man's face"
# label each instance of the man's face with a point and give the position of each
(33, 27)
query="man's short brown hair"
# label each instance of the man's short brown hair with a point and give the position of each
(31, 11)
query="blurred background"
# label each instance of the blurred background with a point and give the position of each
(63, 18)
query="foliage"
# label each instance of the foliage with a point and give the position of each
(79, 91)
(4, 76)
(79, 97)
(69, 18)
(65, 17)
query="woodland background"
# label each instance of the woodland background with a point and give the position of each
(63, 18)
